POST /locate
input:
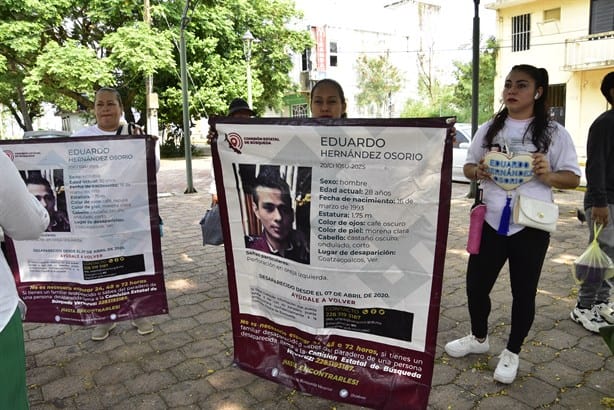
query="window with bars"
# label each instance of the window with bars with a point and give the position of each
(333, 53)
(521, 32)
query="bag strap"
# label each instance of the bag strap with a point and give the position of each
(479, 192)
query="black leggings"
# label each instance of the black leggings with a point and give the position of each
(525, 251)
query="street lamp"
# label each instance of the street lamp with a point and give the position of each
(248, 39)
(186, 106)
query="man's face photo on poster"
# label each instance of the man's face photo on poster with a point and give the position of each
(278, 222)
(273, 209)
(42, 189)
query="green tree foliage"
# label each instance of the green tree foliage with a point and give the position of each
(377, 80)
(435, 99)
(61, 51)
(461, 99)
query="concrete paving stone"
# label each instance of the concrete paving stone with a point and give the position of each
(264, 389)
(41, 375)
(88, 401)
(307, 402)
(236, 399)
(111, 394)
(230, 378)
(452, 397)
(149, 382)
(161, 360)
(457, 313)
(35, 396)
(116, 373)
(536, 352)
(187, 301)
(54, 355)
(502, 402)
(203, 347)
(36, 346)
(66, 387)
(192, 369)
(44, 330)
(601, 381)
(556, 339)
(582, 360)
(556, 311)
(171, 341)
(132, 351)
(86, 364)
(581, 398)
(142, 402)
(532, 391)
(213, 316)
(206, 330)
(443, 374)
(478, 379)
(445, 324)
(188, 392)
(558, 374)
(180, 324)
(541, 323)
(217, 330)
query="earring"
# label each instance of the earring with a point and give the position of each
(536, 96)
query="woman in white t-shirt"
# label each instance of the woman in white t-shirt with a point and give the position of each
(108, 109)
(523, 126)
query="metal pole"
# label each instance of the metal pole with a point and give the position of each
(248, 38)
(249, 84)
(475, 85)
(151, 98)
(186, 107)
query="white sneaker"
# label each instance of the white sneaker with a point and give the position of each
(466, 345)
(606, 311)
(589, 318)
(507, 368)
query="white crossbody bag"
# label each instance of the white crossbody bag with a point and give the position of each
(535, 213)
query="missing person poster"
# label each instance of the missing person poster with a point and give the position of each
(100, 259)
(335, 236)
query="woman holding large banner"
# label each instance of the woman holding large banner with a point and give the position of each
(521, 151)
(21, 217)
(108, 109)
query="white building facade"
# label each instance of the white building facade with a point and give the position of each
(573, 40)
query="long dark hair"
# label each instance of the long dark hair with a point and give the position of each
(540, 127)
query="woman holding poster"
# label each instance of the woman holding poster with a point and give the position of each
(21, 217)
(523, 128)
(108, 109)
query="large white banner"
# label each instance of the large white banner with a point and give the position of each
(100, 259)
(347, 307)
